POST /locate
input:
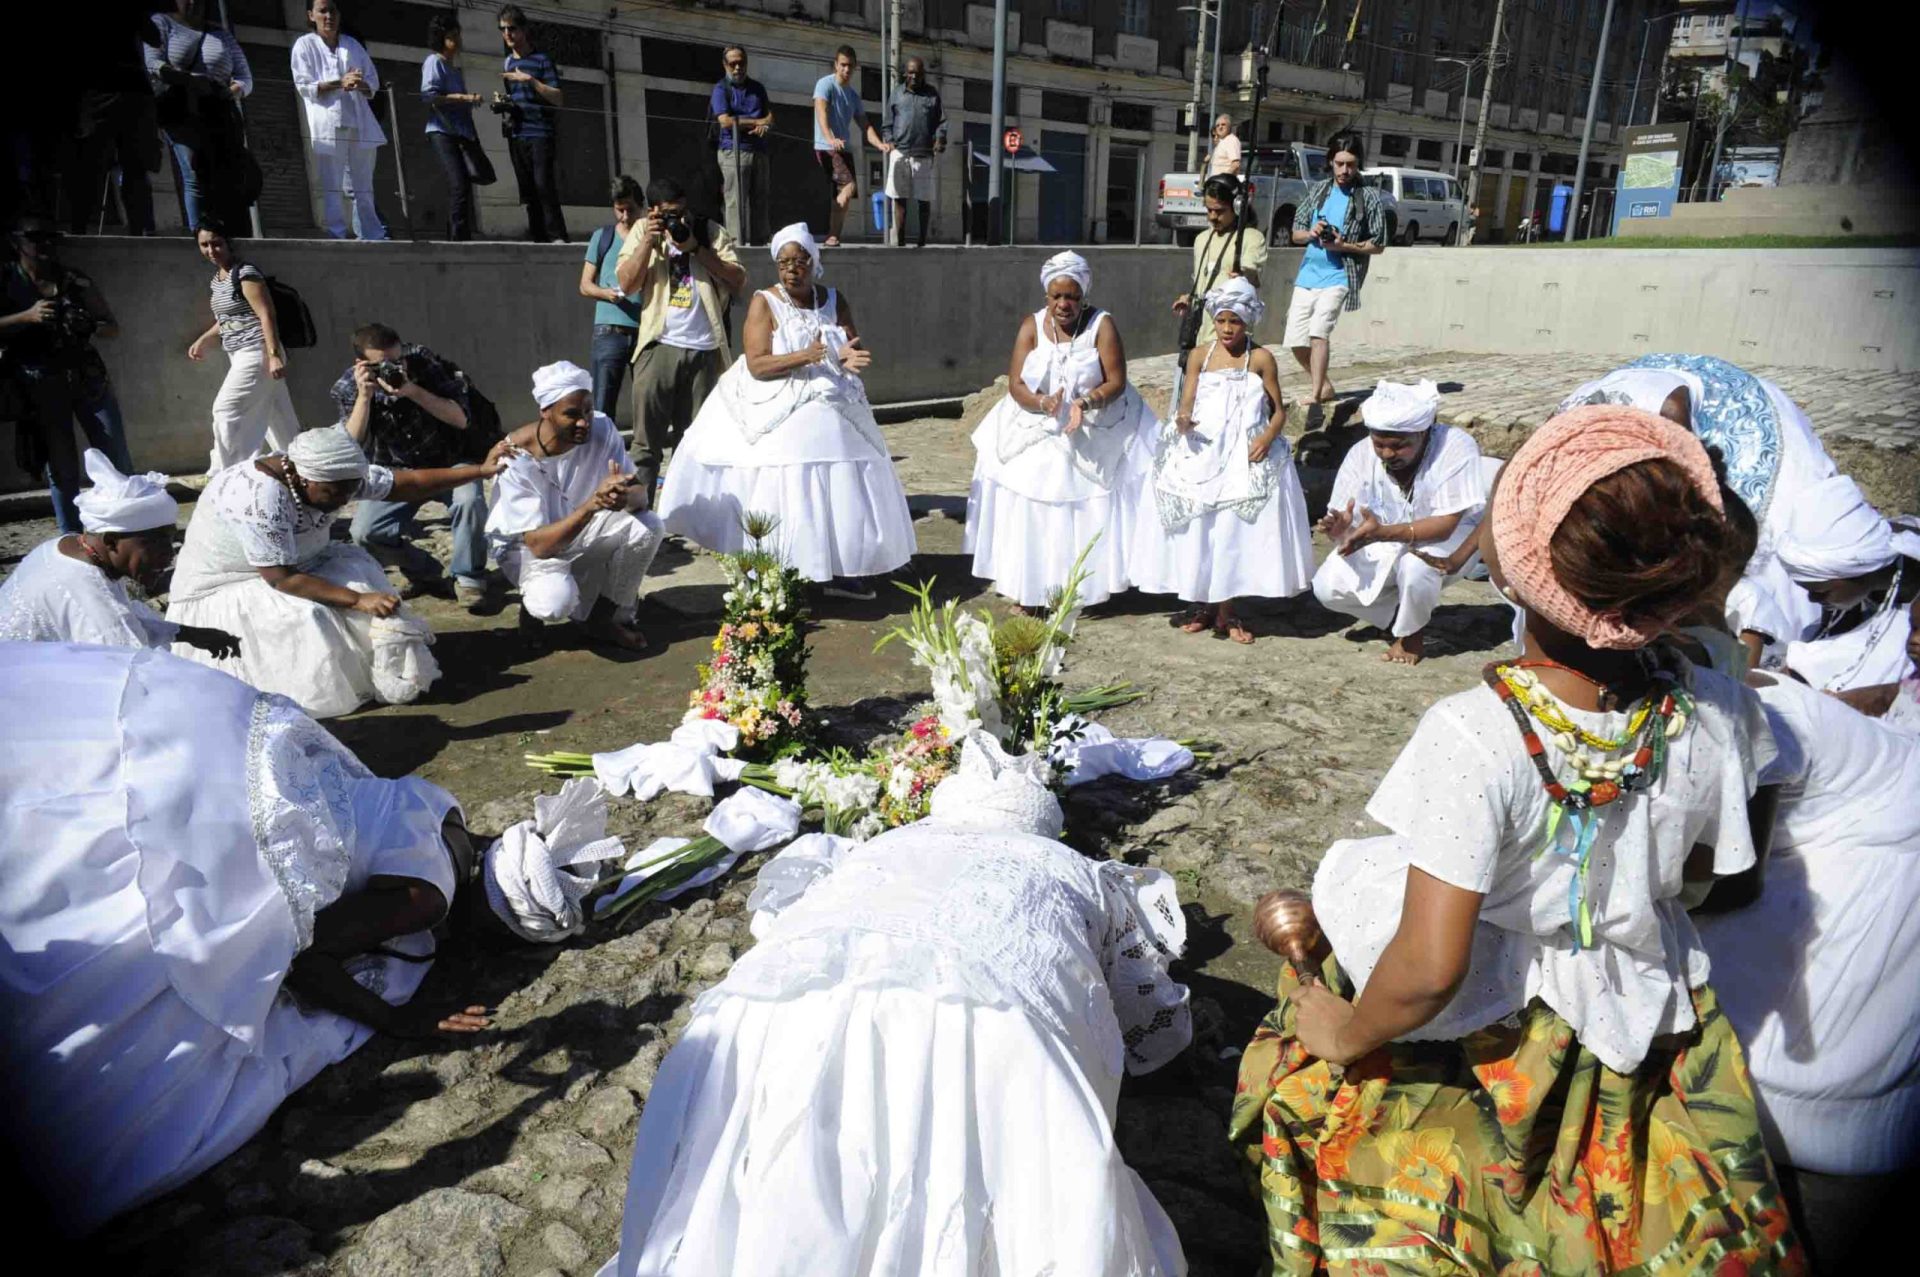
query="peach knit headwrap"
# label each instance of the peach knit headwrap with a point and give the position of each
(1553, 469)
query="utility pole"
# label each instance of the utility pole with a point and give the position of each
(1466, 66)
(1199, 70)
(996, 206)
(1486, 104)
(1213, 94)
(1586, 132)
(1730, 102)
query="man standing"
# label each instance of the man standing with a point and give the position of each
(1341, 223)
(837, 111)
(404, 405)
(616, 316)
(917, 131)
(744, 113)
(1406, 497)
(533, 92)
(686, 274)
(1228, 247)
(1226, 149)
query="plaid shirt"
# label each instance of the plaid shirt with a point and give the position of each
(400, 433)
(1366, 220)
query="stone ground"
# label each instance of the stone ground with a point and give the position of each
(509, 1155)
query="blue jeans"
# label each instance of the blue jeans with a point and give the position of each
(612, 352)
(184, 156)
(389, 523)
(56, 406)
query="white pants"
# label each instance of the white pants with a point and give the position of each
(252, 408)
(609, 559)
(344, 170)
(1404, 603)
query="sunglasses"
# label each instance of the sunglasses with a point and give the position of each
(511, 26)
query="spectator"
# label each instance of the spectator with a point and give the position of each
(197, 74)
(1341, 223)
(443, 86)
(678, 265)
(917, 131)
(47, 325)
(1229, 247)
(1473, 224)
(253, 406)
(616, 316)
(405, 405)
(1225, 157)
(118, 131)
(744, 113)
(836, 112)
(533, 95)
(336, 78)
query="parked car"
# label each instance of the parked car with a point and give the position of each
(1281, 174)
(1429, 205)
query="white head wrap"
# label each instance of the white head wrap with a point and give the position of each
(993, 790)
(327, 455)
(540, 870)
(797, 234)
(557, 381)
(1401, 409)
(124, 502)
(1072, 266)
(1238, 296)
(1831, 533)
(1642, 388)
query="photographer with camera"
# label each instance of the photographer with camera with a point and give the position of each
(526, 110)
(406, 406)
(686, 273)
(1230, 247)
(1341, 223)
(54, 375)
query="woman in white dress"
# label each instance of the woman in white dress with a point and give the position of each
(1226, 516)
(145, 960)
(788, 432)
(1863, 574)
(316, 618)
(1060, 460)
(915, 1069)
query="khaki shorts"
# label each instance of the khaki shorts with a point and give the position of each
(1314, 312)
(909, 177)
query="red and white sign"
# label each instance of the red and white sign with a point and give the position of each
(1011, 140)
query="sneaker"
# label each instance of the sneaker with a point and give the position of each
(470, 593)
(857, 588)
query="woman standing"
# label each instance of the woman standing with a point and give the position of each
(253, 406)
(1060, 458)
(1227, 516)
(337, 79)
(450, 123)
(1503, 1054)
(197, 76)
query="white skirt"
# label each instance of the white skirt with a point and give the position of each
(327, 660)
(1219, 556)
(882, 1131)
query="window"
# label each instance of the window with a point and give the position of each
(977, 96)
(1393, 144)
(1317, 165)
(1428, 149)
(1717, 27)
(1683, 25)
(1491, 158)
(1131, 115)
(1135, 18)
(1073, 9)
(1414, 188)
(1067, 108)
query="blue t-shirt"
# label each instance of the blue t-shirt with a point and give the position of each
(438, 76)
(1319, 268)
(536, 117)
(627, 313)
(843, 108)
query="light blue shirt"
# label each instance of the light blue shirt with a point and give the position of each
(843, 108)
(624, 314)
(1319, 268)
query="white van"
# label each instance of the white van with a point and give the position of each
(1430, 204)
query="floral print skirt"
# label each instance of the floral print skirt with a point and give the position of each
(1512, 1152)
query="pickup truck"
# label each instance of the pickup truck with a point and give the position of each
(1282, 174)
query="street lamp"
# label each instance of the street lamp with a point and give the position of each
(1466, 82)
(1586, 131)
(1646, 30)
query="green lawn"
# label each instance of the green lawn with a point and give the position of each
(1736, 241)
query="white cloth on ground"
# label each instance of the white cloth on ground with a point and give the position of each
(864, 1093)
(328, 660)
(167, 835)
(690, 761)
(804, 448)
(118, 502)
(1465, 805)
(1095, 752)
(55, 598)
(747, 821)
(538, 872)
(1819, 975)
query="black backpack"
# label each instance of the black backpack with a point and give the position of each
(483, 426)
(290, 313)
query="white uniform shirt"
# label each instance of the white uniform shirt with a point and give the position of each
(55, 598)
(532, 492)
(331, 116)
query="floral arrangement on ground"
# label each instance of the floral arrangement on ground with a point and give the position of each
(757, 679)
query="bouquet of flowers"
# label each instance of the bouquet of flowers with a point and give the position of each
(757, 678)
(910, 767)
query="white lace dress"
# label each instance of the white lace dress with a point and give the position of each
(803, 447)
(327, 660)
(166, 836)
(1040, 496)
(915, 1071)
(55, 598)
(1216, 525)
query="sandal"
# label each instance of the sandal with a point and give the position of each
(1232, 627)
(1192, 623)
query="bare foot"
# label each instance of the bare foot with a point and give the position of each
(1410, 650)
(1236, 630)
(623, 636)
(1195, 622)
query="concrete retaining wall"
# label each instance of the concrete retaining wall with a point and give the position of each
(941, 320)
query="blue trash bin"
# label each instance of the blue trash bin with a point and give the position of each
(1558, 212)
(878, 226)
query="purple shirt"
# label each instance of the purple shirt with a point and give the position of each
(744, 101)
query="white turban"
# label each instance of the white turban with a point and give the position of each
(797, 233)
(540, 870)
(1643, 388)
(327, 455)
(124, 502)
(1831, 533)
(1398, 408)
(1238, 296)
(556, 381)
(1072, 266)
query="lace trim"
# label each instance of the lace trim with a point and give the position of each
(300, 804)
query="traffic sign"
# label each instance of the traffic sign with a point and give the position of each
(1012, 141)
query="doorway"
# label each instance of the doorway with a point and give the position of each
(1126, 192)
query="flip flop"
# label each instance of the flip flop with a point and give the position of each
(1194, 623)
(1234, 629)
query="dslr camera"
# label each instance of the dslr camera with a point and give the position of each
(391, 371)
(72, 323)
(508, 110)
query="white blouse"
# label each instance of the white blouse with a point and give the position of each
(1466, 805)
(340, 112)
(532, 492)
(1448, 481)
(55, 598)
(246, 520)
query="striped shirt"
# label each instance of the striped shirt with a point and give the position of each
(213, 53)
(239, 325)
(536, 117)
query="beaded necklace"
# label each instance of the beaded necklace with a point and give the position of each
(1657, 718)
(1876, 627)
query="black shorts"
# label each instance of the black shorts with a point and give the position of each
(836, 166)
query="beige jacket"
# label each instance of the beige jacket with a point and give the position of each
(656, 284)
